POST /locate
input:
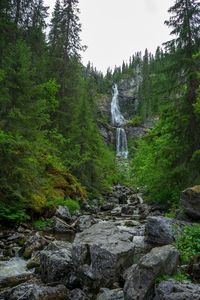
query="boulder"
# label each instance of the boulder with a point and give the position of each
(116, 294)
(77, 294)
(139, 284)
(60, 226)
(190, 201)
(101, 253)
(176, 290)
(159, 230)
(116, 211)
(34, 243)
(63, 213)
(32, 291)
(107, 206)
(56, 264)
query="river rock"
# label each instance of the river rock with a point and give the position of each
(77, 294)
(34, 243)
(190, 201)
(60, 226)
(85, 222)
(32, 291)
(159, 230)
(107, 206)
(101, 253)
(63, 213)
(56, 264)
(116, 294)
(139, 284)
(176, 290)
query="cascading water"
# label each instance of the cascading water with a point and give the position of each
(118, 121)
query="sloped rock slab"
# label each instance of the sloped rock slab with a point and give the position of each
(101, 253)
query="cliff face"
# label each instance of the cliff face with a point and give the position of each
(128, 101)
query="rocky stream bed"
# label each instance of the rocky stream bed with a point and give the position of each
(113, 251)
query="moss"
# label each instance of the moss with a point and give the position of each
(196, 189)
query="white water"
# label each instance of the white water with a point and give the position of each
(15, 266)
(118, 121)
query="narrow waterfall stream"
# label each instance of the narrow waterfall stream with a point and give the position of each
(118, 121)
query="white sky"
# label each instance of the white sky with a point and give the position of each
(114, 30)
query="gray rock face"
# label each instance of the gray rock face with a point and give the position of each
(101, 253)
(60, 226)
(107, 294)
(175, 290)
(140, 280)
(190, 200)
(56, 264)
(62, 212)
(85, 222)
(159, 231)
(28, 291)
(33, 243)
(107, 206)
(77, 294)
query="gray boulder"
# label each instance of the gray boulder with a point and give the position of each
(34, 243)
(77, 294)
(62, 212)
(190, 201)
(32, 291)
(176, 290)
(85, 222)
(56, 264)
(159, 230)
(116, 294)
(60, 226)
(101, 253)
(139, 284)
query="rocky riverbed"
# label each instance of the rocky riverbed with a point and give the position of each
(112, 251)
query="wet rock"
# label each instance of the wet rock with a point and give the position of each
(56, 264)
(100, 253)
(14, 280)
(62, 212)
(194, 268)
(190, 201)
(159, 230)
(107, 206)
(176, 290)
(32, 291)
(116, 211)
(77, 294)
(34, 243)
(139, 284)
(116, 294)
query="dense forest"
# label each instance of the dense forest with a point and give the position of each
(51, 149)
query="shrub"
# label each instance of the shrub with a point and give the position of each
(188, 242)
(72, 205)
(42, 224)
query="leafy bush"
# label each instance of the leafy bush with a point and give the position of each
(72, 205)
(135, 121)
(13, 213)
(188, 242)
(177, 277)
(42, 224)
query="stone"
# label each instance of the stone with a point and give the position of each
(32, 291)
(139, 284)
(128, 209)
(34, 243)
(107, 206)
(56, 264)
(101, 253)
(116, 294)
(190, 201)
(63, 213)
(159, 230)
(60, 226)
(176, 290)
(85, 222)
(116, 211)
(14, 280)
(77, 294)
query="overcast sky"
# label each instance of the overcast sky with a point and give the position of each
(113, 30)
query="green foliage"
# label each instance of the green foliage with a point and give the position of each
(177, 277)
(72, 205)
(188, 243)
(42, 224)
(135, 121)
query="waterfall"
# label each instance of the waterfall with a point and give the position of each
(118, 121)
